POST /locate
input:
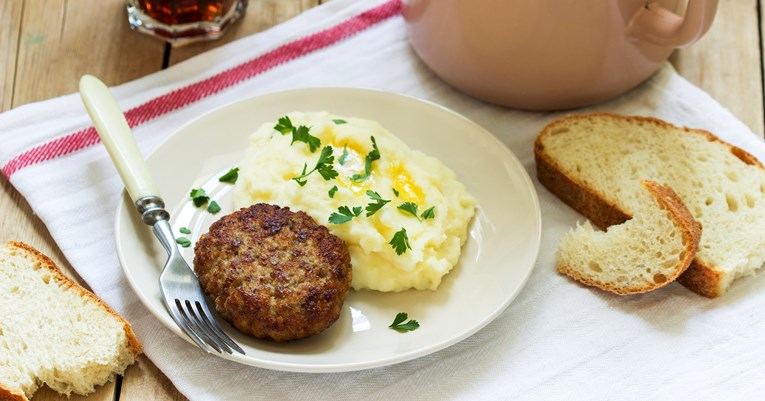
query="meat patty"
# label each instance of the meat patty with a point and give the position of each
(274, 273)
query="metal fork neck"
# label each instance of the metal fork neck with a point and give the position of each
(164, 233)
(152, 209)
(153, 213)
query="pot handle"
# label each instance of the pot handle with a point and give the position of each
(660, 26)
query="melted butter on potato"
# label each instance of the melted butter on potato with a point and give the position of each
(272, 161)
(402, 180)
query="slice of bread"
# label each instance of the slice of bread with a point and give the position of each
(53, 331)
(644, 253)
(594, 163)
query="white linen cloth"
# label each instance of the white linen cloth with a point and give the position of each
(557, 340)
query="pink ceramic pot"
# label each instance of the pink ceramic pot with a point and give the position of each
(551, 54)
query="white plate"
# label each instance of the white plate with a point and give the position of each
(496, 260)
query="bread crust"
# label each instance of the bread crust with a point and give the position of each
(59, 276)
(691, 229)
(8, 395)
(691, 232)
(702, 279)
(586, 200)
(699, 277)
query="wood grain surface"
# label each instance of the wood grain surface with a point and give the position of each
(46, 45)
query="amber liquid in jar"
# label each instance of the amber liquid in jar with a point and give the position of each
(175, 12)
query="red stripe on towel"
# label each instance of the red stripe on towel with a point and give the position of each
(195, 92)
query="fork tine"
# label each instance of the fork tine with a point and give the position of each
(178, 281)
(183, 322)
(195, 326)
(201, 324)
(216, 330)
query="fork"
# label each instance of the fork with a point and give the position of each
(180, 288)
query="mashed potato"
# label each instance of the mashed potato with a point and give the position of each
(400, 175)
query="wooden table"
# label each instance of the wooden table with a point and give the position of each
(46, 45)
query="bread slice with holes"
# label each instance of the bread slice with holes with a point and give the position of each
(53, 331)
(594, 163)
(646, 252)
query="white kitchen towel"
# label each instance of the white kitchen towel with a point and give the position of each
(557, 340)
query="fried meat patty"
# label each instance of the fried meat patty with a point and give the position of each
(274, 273)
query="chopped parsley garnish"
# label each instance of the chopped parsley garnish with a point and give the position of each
(284, 125)
(399, 325)
(344, 214)
(339, 121)
(231, 176)
(184, 230)
(213, 207)
(429, 213)
(400, 241)
(299, 134)
(373, 155)
(409, 207)
(302, 134)
(395, 192)
(372, 208)
(199, 197)
(323, 166)
(344, 156)
(332, 191)
(184, 242)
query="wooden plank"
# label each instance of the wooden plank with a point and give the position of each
(61, 40)
(103, 393)
(10, 27)
(261, 15)
(727, 62)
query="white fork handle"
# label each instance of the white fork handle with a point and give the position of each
(115, 134)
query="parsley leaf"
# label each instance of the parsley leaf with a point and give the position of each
(399, 325)
(284, 125)
(184, 230)
(400, 241)
(231, 176)
(213, 207)
(339, 121)
(395, 192)
(409, 207)
(332, 191)
(184, 242)
(372, 208)
(429, 213)
(301, 178)
(400, 318)
(299, 134)
(199, 197)
(323, 166)
(373, 155)
(344, 214)
(344, 156)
